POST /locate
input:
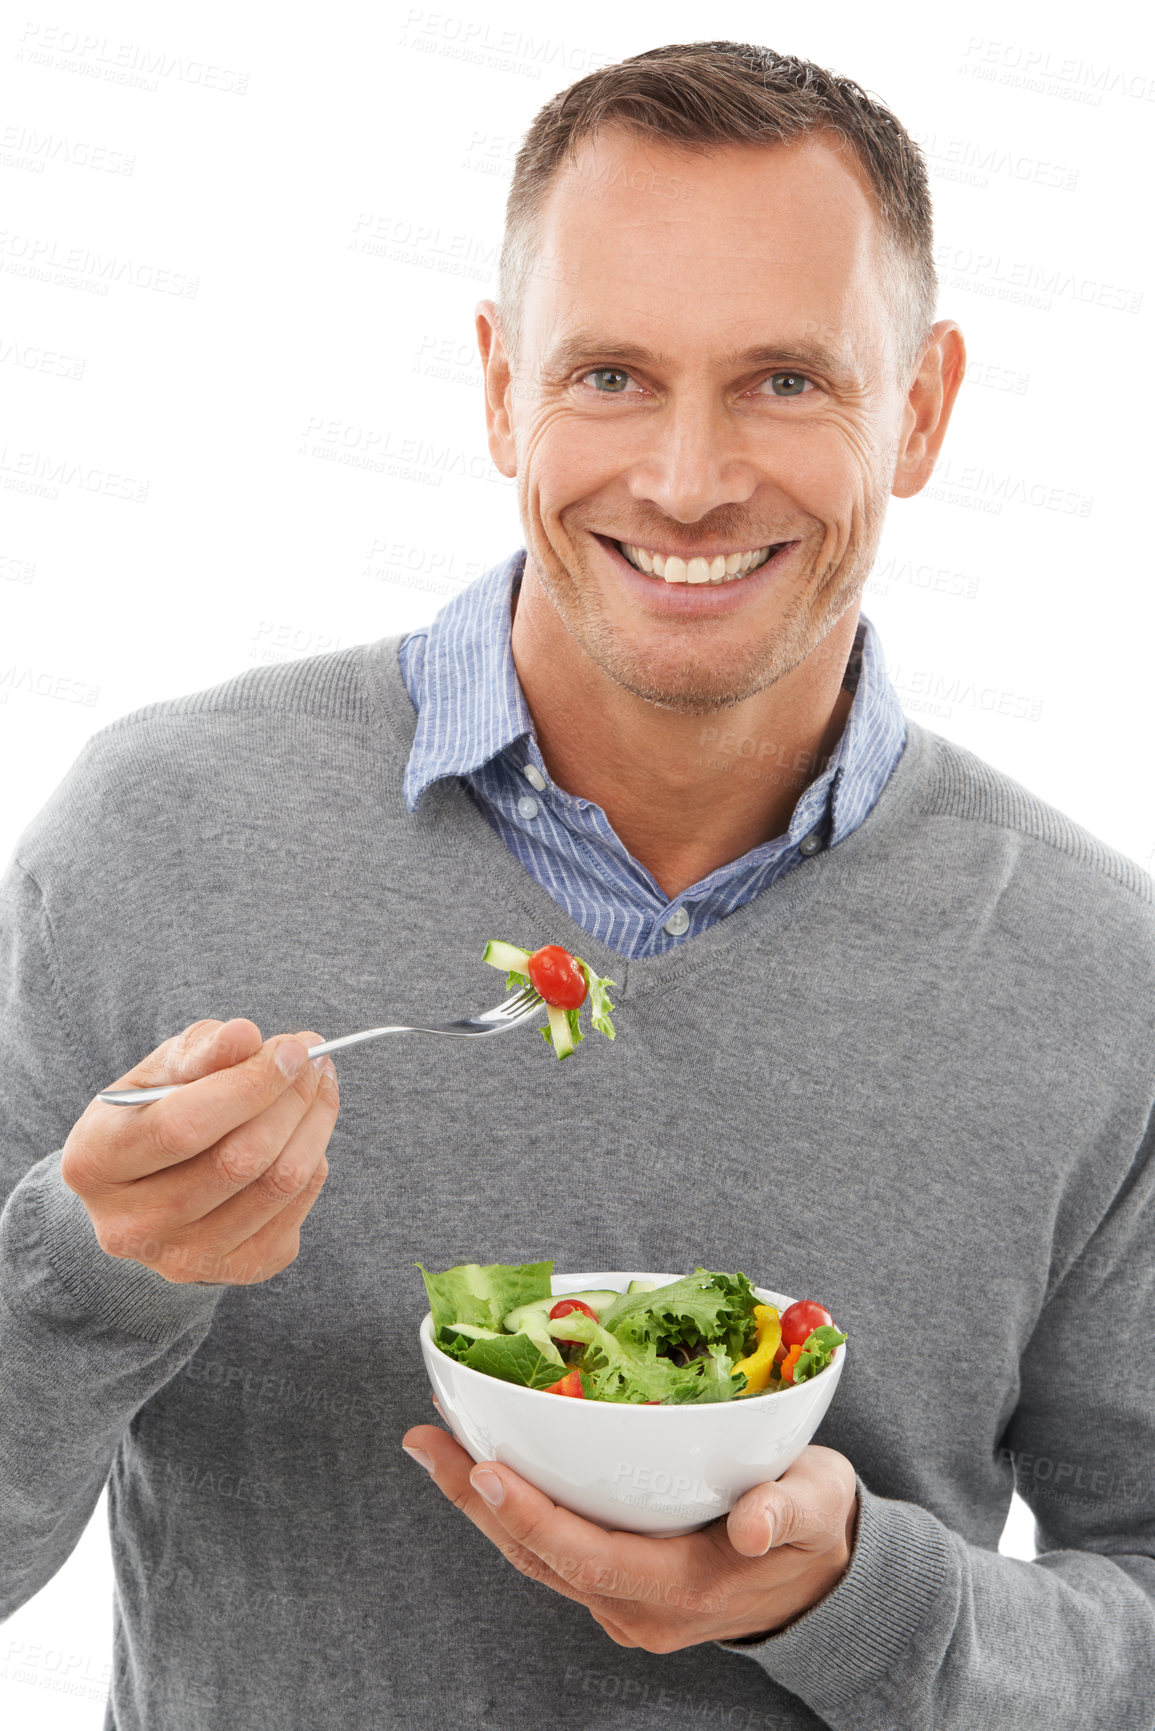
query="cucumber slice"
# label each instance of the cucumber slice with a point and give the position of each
(536, 1312)
(471, 1331)
(641, 1286)
(506, 956)
(563, 1042)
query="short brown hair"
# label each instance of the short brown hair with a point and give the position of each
(702, 94)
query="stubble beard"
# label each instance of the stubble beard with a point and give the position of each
(702, 683)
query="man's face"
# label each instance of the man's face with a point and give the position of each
(639, 416)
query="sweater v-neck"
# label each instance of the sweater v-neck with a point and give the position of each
(446, 805)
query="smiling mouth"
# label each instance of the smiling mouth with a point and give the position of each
(721, 568)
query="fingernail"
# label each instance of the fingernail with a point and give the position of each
(419, 1456)
(489, 1486)
(290, 1057)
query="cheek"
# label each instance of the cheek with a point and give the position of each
(561, 462)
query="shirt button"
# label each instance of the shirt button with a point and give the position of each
(678, 922)
(527, 807)
(534, 777)
(810, 843)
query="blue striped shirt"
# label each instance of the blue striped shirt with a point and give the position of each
(473, 721)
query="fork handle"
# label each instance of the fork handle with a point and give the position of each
(142, 1096)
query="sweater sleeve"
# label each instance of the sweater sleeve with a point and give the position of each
(85, 1338)
(926, 1632)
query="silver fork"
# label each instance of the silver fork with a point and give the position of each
(510, 1014)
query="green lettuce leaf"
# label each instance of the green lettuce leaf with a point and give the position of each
(631, 1372)
(514, 1358)
(482, 1295)
(599, 999)
(714, 1308)
(817, 1351)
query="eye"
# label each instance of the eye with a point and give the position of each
(794, 383)
(617, 373)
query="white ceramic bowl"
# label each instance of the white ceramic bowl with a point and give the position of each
(660, 1470)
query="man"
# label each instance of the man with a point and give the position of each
(884, 1035)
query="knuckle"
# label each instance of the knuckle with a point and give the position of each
(175, 1131)
(240, 1158)
(284, 1180)
(76, 1164)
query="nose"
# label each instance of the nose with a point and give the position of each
(693, 462)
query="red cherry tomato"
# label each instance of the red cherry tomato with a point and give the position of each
(566, 1307)
(554, 974)
(800, 1320)
(570, 1383)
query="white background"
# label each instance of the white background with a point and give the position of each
(289, 455)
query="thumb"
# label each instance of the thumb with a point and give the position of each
(766, 1516)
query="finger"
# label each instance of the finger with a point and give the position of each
(585, 1561)
(807, 1507)
(228, 1228)
(137, 1140)
(196, 1051)
(612, 1629)
(268, 1159)
(277, 1243)
(450, 1468)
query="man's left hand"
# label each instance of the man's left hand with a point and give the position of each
(781, 1548)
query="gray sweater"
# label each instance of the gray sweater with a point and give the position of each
(913, 1078)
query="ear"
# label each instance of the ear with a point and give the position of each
(498, 388)
(928, 408)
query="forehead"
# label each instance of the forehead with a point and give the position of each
(710, 245)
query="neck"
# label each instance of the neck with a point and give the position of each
(685, 793)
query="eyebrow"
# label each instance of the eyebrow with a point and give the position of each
(805, 355)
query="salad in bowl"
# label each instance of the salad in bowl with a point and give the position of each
(679, 1392)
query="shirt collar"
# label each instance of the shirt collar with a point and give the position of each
(472, 706)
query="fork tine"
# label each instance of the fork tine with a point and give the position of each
(524, 999)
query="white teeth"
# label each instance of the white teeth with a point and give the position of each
(723, 568)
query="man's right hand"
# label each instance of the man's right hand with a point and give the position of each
(212, 1183)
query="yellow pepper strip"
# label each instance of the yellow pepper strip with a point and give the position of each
(756, 1368)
